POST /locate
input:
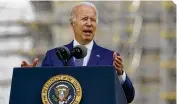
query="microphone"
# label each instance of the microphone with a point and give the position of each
(63, 54)
(79, 51)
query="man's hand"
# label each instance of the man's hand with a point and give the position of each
(26, 65)
(118, 64)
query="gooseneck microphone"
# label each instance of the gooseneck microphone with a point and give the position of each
(79, 51)
(63, 54)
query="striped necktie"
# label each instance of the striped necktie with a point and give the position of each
(78, 62)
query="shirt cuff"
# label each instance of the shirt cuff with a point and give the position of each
(122, 78)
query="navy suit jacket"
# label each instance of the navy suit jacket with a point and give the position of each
(99, 56)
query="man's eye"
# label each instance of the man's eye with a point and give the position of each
(84, 18)
(93, 20)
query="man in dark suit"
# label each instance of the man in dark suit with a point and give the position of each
(83, 19)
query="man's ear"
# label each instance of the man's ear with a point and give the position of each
(72, 25)
(71, 22)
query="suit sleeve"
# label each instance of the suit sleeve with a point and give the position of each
(47, 60)
(128, 90)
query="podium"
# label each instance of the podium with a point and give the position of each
(99, 85)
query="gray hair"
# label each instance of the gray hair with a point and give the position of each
(73, 14)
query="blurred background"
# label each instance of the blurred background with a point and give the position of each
(143, 32)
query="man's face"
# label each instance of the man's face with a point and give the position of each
(84, 26)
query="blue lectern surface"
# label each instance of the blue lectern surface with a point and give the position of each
(100, 85)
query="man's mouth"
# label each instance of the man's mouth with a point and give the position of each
(87, 31)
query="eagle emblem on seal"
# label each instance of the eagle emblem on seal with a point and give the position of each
(61, 94)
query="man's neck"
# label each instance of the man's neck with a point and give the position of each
(83, 42)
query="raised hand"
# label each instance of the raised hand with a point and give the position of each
(27, 65)
(118, 64)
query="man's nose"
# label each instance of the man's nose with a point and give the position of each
(88, 22)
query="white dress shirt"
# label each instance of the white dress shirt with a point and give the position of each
(89, 46)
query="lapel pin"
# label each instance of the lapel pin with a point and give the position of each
(98, 55)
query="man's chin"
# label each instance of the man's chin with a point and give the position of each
(88, 40)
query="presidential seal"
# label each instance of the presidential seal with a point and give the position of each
(61, 89)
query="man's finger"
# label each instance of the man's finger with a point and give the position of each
(25, 63)
(114, 54)
(118, 61)
(35, 62)
(118, 65)
(22, 65)
(118, 68)
(119, 58)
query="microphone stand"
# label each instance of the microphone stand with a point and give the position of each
(65, 62)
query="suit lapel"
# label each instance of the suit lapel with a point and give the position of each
(95, 56)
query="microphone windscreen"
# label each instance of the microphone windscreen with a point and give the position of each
(80, 51)
(64, 51)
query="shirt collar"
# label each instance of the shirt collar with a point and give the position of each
(88, 46)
